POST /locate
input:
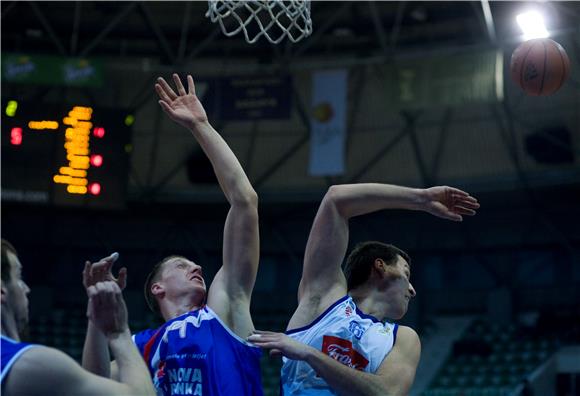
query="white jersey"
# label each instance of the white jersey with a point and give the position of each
(344, 333)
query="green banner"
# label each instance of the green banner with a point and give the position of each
(446, 80)
(51, 70)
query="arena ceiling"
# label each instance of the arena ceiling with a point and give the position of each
(177, 31)
(141, 40)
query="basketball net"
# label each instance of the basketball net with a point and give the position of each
(273, 19)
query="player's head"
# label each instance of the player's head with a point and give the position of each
(173, 278)
(14, 291)
(385, 267)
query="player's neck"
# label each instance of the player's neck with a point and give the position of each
(9, 328)
(173, 309)
(370, 301)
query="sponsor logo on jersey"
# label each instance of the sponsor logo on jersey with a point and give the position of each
(356, 329)
(342, 351)
(348, 310)
(385, 330)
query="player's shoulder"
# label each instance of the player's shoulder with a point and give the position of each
(407, 338)
(48, 367)
(38, 357)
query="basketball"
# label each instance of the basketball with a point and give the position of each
(540, 66)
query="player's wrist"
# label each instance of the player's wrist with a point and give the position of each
(419, 199)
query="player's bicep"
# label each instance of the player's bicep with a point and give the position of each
(55, 373)
(241, 248)
(325, 249)
(397, 371)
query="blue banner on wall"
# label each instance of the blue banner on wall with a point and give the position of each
(328, 123)
(253, 97)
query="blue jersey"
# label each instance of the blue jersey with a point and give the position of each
(11, 351)
(197, 354)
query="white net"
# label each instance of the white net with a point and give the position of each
(273, 19)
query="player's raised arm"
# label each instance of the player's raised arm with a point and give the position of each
(234, 282)
(328, 240)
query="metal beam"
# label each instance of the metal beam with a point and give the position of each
(392, 143)
(436, 163)
(293, 149)
(508, 134)
(74, 39)
(44, 22)
(184, 30)
(8, 8)
(486, 19)
(158, 33)
(397, 25)
(378, 27)
(154, 146)
(204, 44)
(114, 22)
(320, 31)
(411, 123)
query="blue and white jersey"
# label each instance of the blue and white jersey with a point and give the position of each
(11, 351)
(197, 354)
(347, 335)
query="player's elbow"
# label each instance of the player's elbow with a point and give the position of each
(248, 198)
(336, 198)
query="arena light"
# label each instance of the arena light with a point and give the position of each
(532, 25)
(99, 132)
(16, 136)
(95, 188)
(11, 107)
(96, 160)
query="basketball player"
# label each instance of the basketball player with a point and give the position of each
(335, 342)
(29, 369)
(202, 347)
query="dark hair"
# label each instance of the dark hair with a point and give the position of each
(6, 247)
(152, 278)
(357, 268)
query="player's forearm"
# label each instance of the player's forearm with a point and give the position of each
(227, 168)
(344, 380)
(357, 199)
(96, 358)
(131, 366)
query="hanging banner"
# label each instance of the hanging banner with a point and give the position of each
(328, 123)
(52, 70)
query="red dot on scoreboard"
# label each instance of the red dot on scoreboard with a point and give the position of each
(95, 188)
(16, 136)
(99, 132)
(96, 160)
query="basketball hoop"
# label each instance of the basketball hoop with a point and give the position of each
(273, 19)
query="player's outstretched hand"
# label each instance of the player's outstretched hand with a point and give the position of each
(182, 107)
(449, 203)
(101, 272)
(106, 308)
(280, 344)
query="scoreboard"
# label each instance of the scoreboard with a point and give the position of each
(65, 154)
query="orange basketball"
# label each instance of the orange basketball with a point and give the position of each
(540, 66)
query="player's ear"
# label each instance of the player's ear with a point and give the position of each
(380, 266)
(157, 289)
(4, 292)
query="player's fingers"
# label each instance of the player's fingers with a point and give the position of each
(190, 85)
(275, 353)
(166, 88)
(468, 204)
(464, 211)
(179, 85)
(162, 94)
(166, 108)
(458, 192)
(122, 280)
